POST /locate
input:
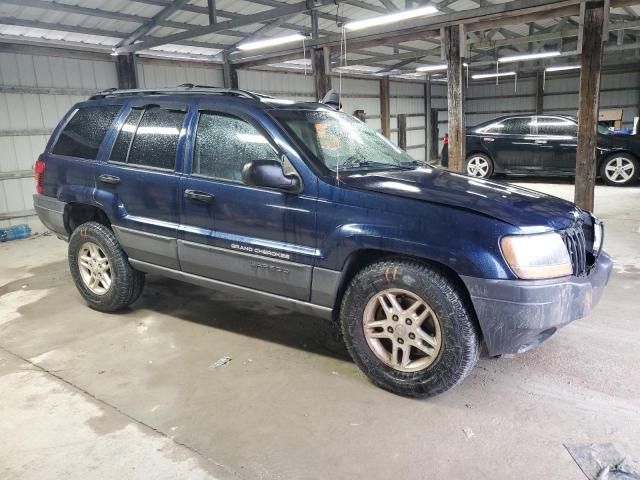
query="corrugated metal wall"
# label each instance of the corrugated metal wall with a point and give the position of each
(159, 73)
(35, 91)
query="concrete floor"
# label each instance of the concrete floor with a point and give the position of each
(88, 395)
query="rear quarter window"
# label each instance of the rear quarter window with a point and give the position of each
(82, 135)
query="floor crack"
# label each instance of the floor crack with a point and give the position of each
(113, 407)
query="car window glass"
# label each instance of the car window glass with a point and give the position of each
(83, 134)
(517, 126)
(225, 144)
(555, 126)
(156, 138)
(120, 149)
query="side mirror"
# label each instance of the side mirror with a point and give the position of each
(269, 174)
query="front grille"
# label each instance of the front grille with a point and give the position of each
(576, 243)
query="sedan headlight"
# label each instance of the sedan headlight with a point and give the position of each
(598, 236)
(537, 256)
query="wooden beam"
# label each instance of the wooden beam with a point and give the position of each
(321, 81)
(539, 93)
(402, 131)
(428, 127)
(126, 71)
(455, 95)
(589, 99)
(385, 107)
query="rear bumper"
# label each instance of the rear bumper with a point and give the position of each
(51, 213)
(517, 315)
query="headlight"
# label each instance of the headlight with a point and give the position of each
(537, 256)
(598, 236)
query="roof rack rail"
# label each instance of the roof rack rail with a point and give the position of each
(184, 88)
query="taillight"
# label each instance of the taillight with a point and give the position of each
(446, 139)
(39, 175)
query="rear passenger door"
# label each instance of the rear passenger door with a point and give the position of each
(239, 234)
(139, 183)
(556, 138)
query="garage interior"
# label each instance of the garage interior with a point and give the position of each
(144, 393)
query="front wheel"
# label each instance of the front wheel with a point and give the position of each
(619, 170)
(479, 165)
(100, 268)
(408, 328)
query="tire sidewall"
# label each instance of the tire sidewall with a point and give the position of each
(611, 183)
(105, 239)
(445, 371)
(481, 155)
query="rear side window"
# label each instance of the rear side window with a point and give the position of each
(224, 144)
(83, 134)
(149, 138)
(556, 126)
(517, 126)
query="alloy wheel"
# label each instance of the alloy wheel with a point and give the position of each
(619, 170)
(95, 269)
(402, 330)
(478, 167)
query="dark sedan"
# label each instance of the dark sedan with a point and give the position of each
(545, 145)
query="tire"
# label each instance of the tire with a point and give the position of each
(95, 252)
(619, 170)
(479, 165)
(450, 324)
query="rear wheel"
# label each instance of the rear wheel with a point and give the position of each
(408, 328)
(479, 165)
(619, 170)
(100, 268)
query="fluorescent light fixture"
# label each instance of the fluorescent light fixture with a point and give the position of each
(528, 56)
(431, 68)
(391, 18)
(270, 42)
(562, 68)
(479, 76)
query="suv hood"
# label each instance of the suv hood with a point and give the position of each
(514, 205)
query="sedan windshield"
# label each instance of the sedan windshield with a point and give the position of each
(341, 142)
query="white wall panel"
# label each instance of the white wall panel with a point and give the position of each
(292, 86)
(159, 74)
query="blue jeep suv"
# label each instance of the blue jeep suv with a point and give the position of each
(303, 206)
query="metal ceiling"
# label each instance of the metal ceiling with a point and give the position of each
(184, 28)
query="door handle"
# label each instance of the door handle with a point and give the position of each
(488, 139)
(112, 179)
(541, 142)
(198, 196)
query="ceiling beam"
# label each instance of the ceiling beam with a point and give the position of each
(142, 30)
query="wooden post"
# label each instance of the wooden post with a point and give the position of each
(126, 71)
(385, 107)
(589, 102)
(539, 93)
(455, 95)
(428, 137)
(402, 131)
(229, 72)
(322, 81)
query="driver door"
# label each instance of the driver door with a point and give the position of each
(243, 235)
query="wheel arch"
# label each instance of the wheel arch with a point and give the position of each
(360, 259)
(76, 213)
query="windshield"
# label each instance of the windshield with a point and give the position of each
(341, 142)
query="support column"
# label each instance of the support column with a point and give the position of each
(322, 81)
(385, 107)
(539, 93)
(229, 72)
(402, 131)
(591, 61)
(455, 96)
(126, 71)
(428, 129)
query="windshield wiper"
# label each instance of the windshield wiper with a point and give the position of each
(351, 164)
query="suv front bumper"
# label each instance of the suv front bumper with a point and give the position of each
(517, 315)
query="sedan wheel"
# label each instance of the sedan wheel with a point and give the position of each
(479, 166)
(619, 170)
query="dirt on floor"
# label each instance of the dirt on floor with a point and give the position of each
(191, 383)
